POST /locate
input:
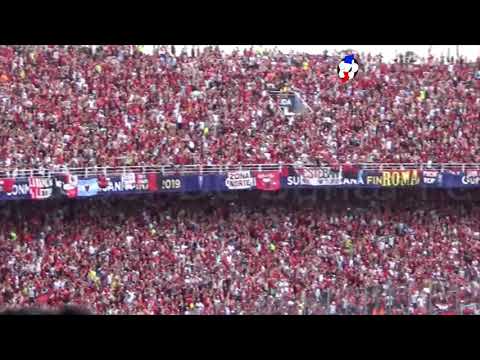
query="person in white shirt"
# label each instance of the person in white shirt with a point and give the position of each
(179, 121)
(332, 310)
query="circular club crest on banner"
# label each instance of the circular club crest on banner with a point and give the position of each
(348, 68)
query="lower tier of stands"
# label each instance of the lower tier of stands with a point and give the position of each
(253, 253)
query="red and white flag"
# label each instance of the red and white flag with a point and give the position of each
(268, 180)
(141, 182)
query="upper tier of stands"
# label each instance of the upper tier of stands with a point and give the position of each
(117, 106)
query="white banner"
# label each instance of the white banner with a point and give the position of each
(40, 188)
(238, 180)
(430, 176)
(318, 177)
(128, 181)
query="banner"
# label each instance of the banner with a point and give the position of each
(431, 177)
(127, 184)
(65, 185)
(239, 180)
(388, 178)
(287, 102)
(471, 177)
(129, 181)
(213, 183)
(292, 181)
(20, 190)
(115, 184)
(141, 182)
(157, 182)
(268, 180)
(461, 180)
(315, 177)
(88, 187)
(40, 188)
(170, 183)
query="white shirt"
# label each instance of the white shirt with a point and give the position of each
(130, 297)
(332, 309)
(421, 301)
(38, 267)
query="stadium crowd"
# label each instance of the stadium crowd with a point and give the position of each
(77, 106)
(112, 106)
(242, 256)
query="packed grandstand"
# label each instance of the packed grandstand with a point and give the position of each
(204, 182)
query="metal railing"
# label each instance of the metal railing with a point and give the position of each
(220, 169)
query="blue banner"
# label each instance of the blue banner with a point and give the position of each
(391, 179)
(88, 187)
(213, 183)
(71, 187)
(470, 179)
(306, 178)
(20, 191)
(186, 183)
(431, 178)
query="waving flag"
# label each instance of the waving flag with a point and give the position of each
(65, 185)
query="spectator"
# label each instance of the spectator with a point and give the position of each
(66, 106)
(210, 257)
